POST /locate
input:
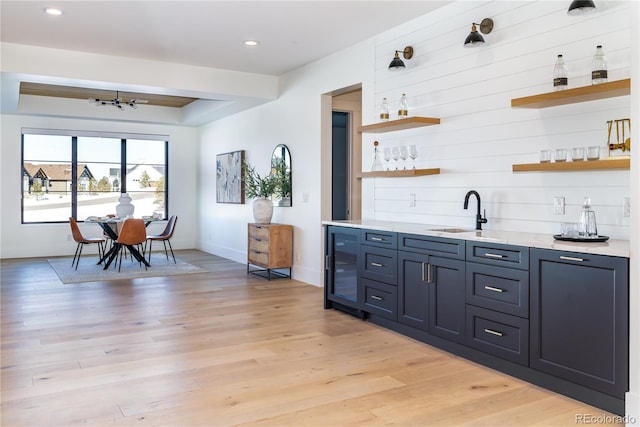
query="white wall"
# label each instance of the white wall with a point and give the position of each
(295, 120)
(480, 135)
(30, 240)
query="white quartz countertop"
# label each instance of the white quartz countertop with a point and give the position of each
(611, 247)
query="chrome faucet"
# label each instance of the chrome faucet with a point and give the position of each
(479, 219)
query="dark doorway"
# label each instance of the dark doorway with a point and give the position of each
(340, 166)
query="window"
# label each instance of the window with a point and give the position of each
(82, 174)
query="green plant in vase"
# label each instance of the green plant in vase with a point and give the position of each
(260, 188)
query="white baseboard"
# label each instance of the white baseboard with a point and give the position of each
(632, 409)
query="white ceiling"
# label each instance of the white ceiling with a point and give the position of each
(207, 33)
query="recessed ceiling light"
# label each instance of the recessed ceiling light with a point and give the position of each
(53, 11)
(250, 43)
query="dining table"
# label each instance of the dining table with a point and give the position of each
(111, 227)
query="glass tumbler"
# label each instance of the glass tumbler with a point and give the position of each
(561, 155)
(577, 154)
(593, 153)
(545, 156)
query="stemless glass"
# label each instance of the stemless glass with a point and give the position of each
(413, 153)
(404, 155)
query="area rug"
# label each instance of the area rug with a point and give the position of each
(89, 271)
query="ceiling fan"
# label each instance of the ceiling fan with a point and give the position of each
(118, 102)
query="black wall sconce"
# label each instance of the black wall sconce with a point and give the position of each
(397, 63)
(581, 7)
(474, 39)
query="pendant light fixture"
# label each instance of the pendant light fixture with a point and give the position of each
(397, 63)
(118, 102)
(581, 7)
(474, 39)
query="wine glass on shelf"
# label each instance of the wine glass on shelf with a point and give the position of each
(404, 154)
(395, 153)
(387, 155)
(413, 153)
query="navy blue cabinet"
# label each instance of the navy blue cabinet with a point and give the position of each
(580, 318)
(431, 278)
(379, 273)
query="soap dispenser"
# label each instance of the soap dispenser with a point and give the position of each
(587, 225)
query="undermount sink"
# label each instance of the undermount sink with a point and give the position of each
(452, 230)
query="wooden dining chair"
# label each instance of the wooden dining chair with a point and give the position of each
(133, 233)
(164, 237)
(81, 241)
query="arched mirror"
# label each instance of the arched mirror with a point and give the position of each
(281, 168)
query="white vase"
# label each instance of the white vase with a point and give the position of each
(124, 208)
(262, 211)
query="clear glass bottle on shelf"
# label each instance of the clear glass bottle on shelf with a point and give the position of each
(377, 164)
(403, 111)
(599, 67)
(560, 74)
(384, 110)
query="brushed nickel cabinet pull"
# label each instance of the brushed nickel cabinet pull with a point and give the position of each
(376, 297)
(376, 264)
(423, 271)
(492, 332)
(491, 288)
(428, 273)
(377, 239)
(570, 258)
(490, 255)
(326, 262)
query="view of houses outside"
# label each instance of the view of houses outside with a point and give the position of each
(47, 177)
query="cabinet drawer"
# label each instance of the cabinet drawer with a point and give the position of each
(258, 245)
(441, 246)
(258, 232)
(379, 238)
(497, 288)
(258, 258)
(498, 254)
(499, 334)
(380, 299)
(379, 264)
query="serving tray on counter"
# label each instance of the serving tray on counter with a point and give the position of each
(581, 239)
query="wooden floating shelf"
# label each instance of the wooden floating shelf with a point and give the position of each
(400, 124)
(400, 173)
(585, 165)
(573, 96)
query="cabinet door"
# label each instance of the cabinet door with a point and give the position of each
(341, 269)
(579, 318)
(413, 291)
(446, 279)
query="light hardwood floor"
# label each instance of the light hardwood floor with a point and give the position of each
(223, 348)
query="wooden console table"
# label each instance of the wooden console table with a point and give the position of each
(270, 247)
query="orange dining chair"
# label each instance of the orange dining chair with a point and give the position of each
(132, 234)
(81, 241)
(164, 237)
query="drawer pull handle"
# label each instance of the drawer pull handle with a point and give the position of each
(376, 264)
(428, 273)
(570, 258)
(377, 239)
(376, 297)
(490, 255)
(423, 271)
(492, 332)
(491, 288)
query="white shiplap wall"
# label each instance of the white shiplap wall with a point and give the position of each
(480, 135)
